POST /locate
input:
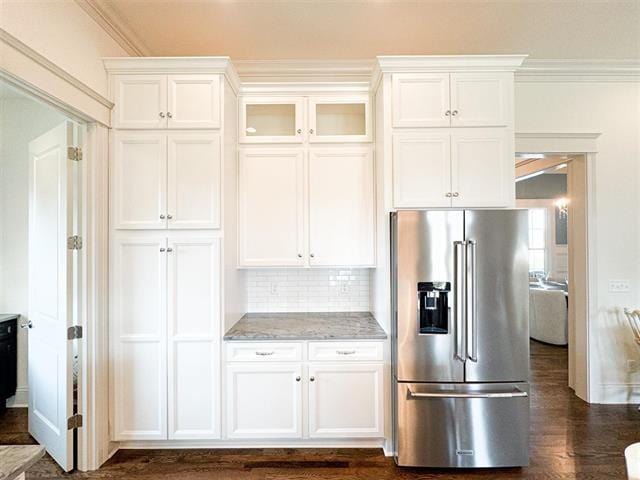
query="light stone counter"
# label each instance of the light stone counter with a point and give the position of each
(16, 459)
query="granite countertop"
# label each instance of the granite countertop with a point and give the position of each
(306, 326)
(8, 316)
(16, 459)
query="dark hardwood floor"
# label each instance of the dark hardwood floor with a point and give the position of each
(569, 440)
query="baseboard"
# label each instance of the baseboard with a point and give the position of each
(619, 393)
(20, 399)
(186, 444)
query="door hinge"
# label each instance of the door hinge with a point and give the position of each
(74, 332)
(74, 153)
(74, 421)
(74, 242)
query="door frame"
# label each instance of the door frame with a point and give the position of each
(35, 75)
(577, 143)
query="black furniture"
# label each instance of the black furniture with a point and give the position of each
(8, 357)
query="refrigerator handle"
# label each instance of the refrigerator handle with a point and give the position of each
(471, 306)
(459, 286)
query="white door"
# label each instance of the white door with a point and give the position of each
(482, 167)
(271, 196)
(421, 100)
(193, 101)
(481, 99)
(422, 169)
(341, 207)
(139, 180)
(264, 400)
(345, 400)
(193, 190)
(138, 316)
(51, 276)
(140, 101)
(194, 333)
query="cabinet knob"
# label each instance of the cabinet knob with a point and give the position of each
(299, 255)
(311, 131)
(161, 114)
(27, 324)
(312, 255)
(448, 194)
(297, 379)
(312, 379)
(169, 115)
(447, 113)
(162, 217)
(162, 250)
(169, 249)
(169, 217)
(299, 131)
(456, 194)
(454, 113)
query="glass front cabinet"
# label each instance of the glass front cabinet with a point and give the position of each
(305, 119)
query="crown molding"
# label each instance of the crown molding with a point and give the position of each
(112, 23)
(534, 70)
(449, 63)
(557, 142)
(273, 71)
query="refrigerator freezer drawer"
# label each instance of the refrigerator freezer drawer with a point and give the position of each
(462, 425)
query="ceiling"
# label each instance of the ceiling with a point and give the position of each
(360, 29)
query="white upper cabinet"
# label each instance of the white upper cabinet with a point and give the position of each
(482, 167)
(339, 119)
(271, 207)
(341, 207)
(193, 101)
(421, 100)
(193, 180)
(166, 101)
(139, 180)
(271, 120)
(422, 169)
(481, 99)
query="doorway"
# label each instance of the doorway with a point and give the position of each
(40, 265)
(553, 187)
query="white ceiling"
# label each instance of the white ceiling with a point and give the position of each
(342, 29)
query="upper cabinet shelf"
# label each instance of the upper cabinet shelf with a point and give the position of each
(305, 119)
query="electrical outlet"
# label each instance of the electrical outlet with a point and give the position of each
(273, 288)
(632, 365)
(344, 288)
(619, 286)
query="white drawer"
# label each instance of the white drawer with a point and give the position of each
(345, 351)
(263, 352)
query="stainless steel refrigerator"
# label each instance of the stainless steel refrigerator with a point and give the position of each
(460, 338)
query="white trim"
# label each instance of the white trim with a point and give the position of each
(109, 20)
(449, 63)
(20, 399)
(572, 70)
(304, 70)
(264, 443)
(556, 142)
(304, 88)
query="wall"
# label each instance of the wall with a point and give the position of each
(546, 185)
(22, 120)
(610, 108)
(62, 32)
(308, 290)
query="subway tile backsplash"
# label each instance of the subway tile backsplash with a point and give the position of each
(308, 290)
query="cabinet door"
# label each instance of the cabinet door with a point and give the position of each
(264, 400)
(345, 401)
(193, 180)
(271, 207)
(421, 100)
(194, 333)
(483, 167)
(481, 99)
(271, 120)
(139, 180)
(140, 101)
(339, 119)
(139, 350)
(341, 207)
(194, 101)
(422, 169)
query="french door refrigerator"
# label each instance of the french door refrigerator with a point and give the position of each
(460, 338)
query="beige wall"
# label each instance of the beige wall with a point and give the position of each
(62, 32)
(611, 109)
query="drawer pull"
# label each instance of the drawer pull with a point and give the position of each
(511, 394)
(345, 352)
(264, 354)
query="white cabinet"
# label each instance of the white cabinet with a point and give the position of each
(345, 400)
(271, 201)
(453, 168)
(264, 400)
(165, 180)
(482, 167)
(422, 169)
(314, 119)
(341, 207)
(165, 315)
(166, 101)
(332, 192)
(139, 353)
(474, 99)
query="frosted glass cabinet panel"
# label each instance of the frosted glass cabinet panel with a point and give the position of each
(339, 120)
(271, 120)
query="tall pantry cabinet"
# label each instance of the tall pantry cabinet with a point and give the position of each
(169, 154)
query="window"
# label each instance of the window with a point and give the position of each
(537, 241)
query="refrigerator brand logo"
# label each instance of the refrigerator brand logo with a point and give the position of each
(464, 452)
